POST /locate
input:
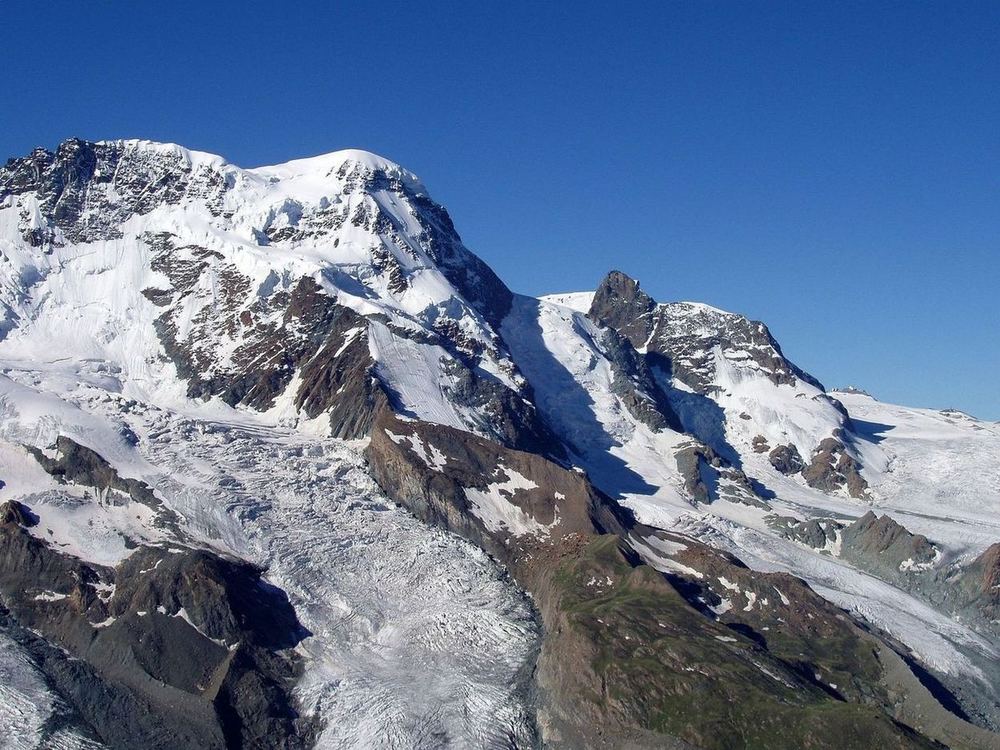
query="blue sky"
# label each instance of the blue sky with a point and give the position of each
(830, 168)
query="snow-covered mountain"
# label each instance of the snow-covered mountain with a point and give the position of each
(218, 382)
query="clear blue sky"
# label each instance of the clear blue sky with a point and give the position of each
(830, 168)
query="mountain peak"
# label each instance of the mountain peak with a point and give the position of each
(619, 301)
(342, 162)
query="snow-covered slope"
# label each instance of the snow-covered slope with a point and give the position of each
(389, 602)
(939, 474)
(178, 315)
(578, 301)
(134, 253)
(573, 378)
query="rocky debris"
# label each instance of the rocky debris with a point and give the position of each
(108, 641)
(794, 624)
(877, 544)
(818, 533)
(786, 459)
(760, 444)
(833, 468)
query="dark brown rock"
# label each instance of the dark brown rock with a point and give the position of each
(16, 513)
(786, 459)
(832, 468)
(620, 304)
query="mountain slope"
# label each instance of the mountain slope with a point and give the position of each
(227, 370)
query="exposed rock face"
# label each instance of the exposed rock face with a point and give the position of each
(501, 413)
(78, 464)
(85, 190)
(474, 278)
(832, 467)
(635, 385)
(626, 647)
(708, 477)
(306, 339)
(686, 335)
(886, 544)
(117, 633)
(979, 587)
(786, 459)
(303, 332)
(620, 304)
(497, 497)
(18, 514)
(696, 464)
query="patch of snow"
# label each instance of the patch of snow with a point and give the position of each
(722, 607)
(659, 560)
(49, 596)
(430, 454)
(494, 508)
(726, 583)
